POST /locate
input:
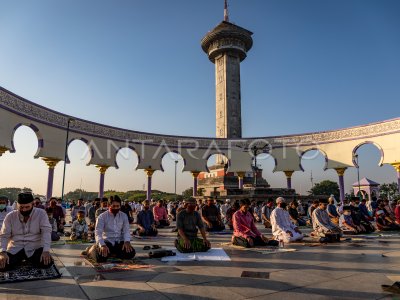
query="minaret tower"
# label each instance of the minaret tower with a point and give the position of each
(227, 46)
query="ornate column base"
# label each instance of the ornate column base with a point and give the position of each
(340, 172)
(149, 173)
(289, 179)
(102, 169)
(240, 176)
(195, 175)
(51, 163)
(3, 150)
(396, 166)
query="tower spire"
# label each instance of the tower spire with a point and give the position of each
(226, 14)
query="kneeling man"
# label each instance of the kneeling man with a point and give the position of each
(25, 235)
(282, 228)
(322, 224)
(145, 221)
(245, 232)
(112, 235)
(188, 223)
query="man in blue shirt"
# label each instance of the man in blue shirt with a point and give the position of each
(145, 221)
(364, 210)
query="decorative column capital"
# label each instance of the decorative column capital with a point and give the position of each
(340, 171)
(51, 162)
(288, 174)
(240, 174)
(102, 168)
(396, 166)
(3, 150)
(195, 174)
(149, 172)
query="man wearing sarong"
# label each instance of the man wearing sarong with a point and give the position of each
(25, 235)
(189, 223)
(282, 228)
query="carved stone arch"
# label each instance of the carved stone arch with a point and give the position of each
(91, 152)
(370, 143)
(315, 149)
(37, 133)
(127, 147)
(172, 151)
(215, 152)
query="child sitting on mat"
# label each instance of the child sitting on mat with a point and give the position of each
(54, 230)
(79, 230)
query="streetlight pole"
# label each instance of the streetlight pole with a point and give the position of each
(255, 166)
(176, 163)
(65, 158)
(358, 176)
(255, 152)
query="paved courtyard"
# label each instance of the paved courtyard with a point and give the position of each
(349, 270)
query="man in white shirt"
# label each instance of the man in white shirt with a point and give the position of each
(112, 235)
(282, 228)
(25, 235)
(4, 209)
(224, 209)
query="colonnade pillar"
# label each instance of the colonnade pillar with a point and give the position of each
(340, 172)
(102, 170)
(289, 179)
(195, 175)
(397, 168)
(149, 173)
(51, 163)
(240, 176)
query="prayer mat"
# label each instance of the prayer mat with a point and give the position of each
(361, 236)
(79, 242)
(57, 243)
(262, 250)
(214, 254)
(356, 245)
(118, 265)
(259, 275)
(157, 237)
(29, 273)
(220, 233)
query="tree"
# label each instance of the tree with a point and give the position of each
(325, 188)
(79, 193)
(389, 190)
(187, 193)
(11, 193)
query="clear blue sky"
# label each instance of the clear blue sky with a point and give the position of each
(315, 65)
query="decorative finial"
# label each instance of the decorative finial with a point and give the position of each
(226, 14)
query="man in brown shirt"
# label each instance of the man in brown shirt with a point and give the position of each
(25, 235)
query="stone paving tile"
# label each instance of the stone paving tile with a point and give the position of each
(363, 285)
(114, 288)
(202, 292)
(37, 284)
(301, 294)
(178, 279)
(145, 296)
(250, 287)
(60, 291)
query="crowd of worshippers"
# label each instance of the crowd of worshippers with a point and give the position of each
(29, 226)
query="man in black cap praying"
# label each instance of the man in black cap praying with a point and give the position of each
(25, 235)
